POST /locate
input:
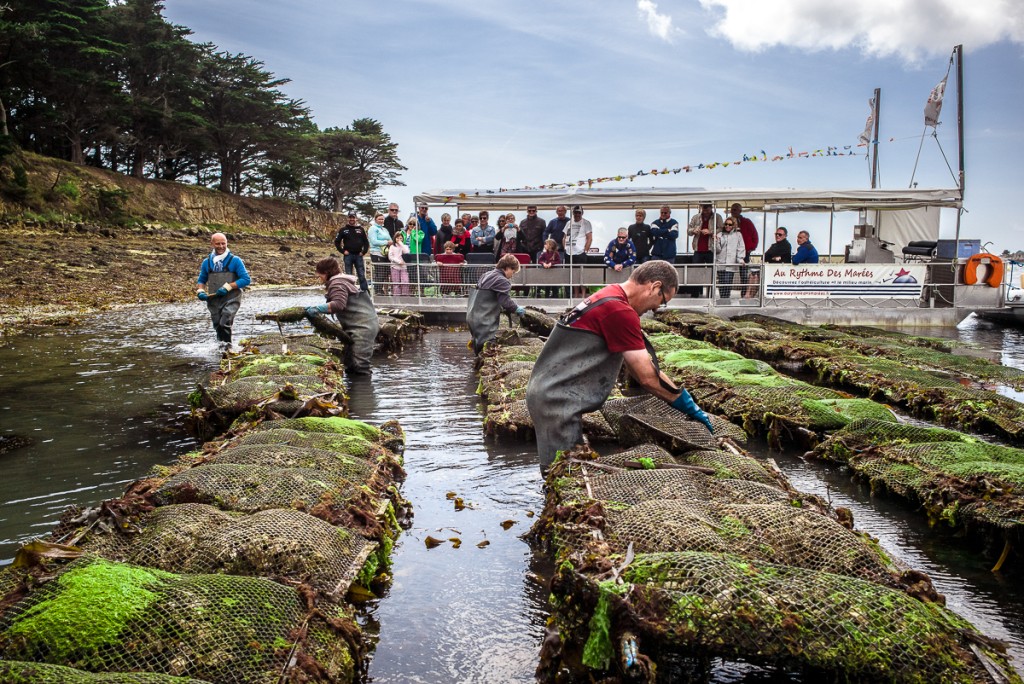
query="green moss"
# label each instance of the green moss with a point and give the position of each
(368, 571)
(336, 424)
(195, 399)
(732, 528)
(90, 610)
(390, 520)
(668, 342)
(700, 356)
(597, 652)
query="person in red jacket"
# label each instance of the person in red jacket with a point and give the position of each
(749, 232)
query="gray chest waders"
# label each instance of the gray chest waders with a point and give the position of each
(574, 374)
(483, 316)
(359, 319)
(222, 309)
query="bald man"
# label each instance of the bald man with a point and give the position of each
(221, 279)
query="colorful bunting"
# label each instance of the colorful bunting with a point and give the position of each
(762, 156)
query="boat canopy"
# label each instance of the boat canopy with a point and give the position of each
(782, 200)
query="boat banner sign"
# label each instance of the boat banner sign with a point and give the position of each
(862, 281)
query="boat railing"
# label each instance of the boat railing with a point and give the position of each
(700, 285)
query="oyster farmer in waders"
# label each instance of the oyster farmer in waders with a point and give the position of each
(578, 366)
(353, 309)
(221, 279)
(489, 299)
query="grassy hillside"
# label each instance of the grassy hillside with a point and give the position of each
(75, 239)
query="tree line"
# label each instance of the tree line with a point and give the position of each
(113, 84)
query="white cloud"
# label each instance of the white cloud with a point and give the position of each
(660, 25)
(908, 29)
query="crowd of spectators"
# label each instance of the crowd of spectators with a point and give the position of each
(398, 250)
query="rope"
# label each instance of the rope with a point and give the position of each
(918, 157)
(951, 174)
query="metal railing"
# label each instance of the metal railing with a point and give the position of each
(425, 280)
(703, 285)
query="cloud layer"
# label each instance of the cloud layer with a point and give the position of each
(660, 25)
(908, 29)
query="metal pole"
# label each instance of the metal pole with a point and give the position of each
(874, 156)
(958, 53)
(831, 219)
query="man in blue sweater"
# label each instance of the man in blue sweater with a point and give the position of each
(221, 279)
(665, 231)
(805, 251)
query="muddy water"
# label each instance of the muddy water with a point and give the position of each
(102, 401)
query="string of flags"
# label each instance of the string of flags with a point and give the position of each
(758, 157)
(931, 118)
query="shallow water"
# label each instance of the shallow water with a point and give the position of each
(473, 613)
(103, 403)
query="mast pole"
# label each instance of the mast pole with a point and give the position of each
(874, 137)
(874, 161)
(958, 53)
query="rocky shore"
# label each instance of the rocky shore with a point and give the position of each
(55, 272)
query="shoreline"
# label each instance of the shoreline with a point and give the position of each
(53, 276)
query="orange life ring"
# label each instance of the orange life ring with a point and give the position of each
(995, 271)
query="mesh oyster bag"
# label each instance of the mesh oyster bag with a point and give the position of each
(17, 672)
(707, 604)
(961, 480)
(277, 543)
(100, 616)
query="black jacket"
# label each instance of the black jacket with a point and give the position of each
(352, 239)
(781, 249)
(640, 234)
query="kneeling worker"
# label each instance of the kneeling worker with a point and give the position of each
(353, 309)
(489, 299)
(221, 279)
(578, 366)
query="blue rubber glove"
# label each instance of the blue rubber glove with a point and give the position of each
(220, 292)
(684, 402)
(202, 295)
(314, 310)
(520, 311)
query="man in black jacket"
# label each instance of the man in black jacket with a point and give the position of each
(640, 234)
(781, 252)
(533, 231)
(392, 223)
(352, 242)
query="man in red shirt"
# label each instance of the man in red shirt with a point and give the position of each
(580, 362)
(749, 232)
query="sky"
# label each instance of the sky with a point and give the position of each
(514, 93)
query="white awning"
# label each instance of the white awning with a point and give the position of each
(783, 200)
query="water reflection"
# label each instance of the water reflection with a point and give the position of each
(472, 613)
(102, 404)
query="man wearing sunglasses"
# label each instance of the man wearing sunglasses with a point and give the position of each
(392, 222)
(781, 252)
(580, 362)
(621, 253)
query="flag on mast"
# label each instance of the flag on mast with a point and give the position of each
(933, 106)
(865, 137)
